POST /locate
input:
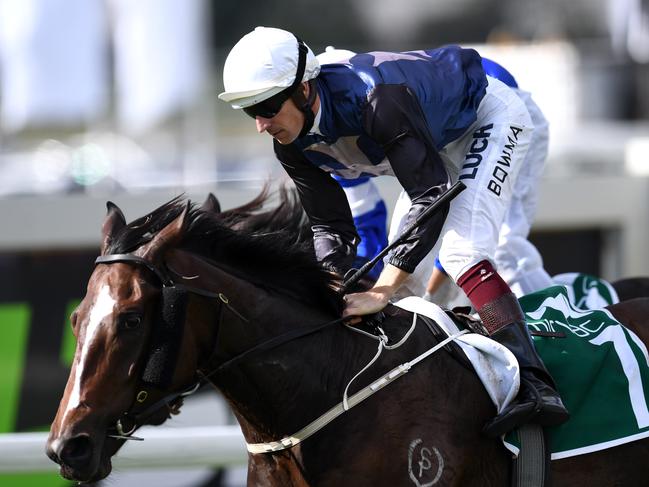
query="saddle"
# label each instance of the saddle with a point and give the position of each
(374, 324)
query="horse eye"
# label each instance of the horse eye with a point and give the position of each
(131, 321)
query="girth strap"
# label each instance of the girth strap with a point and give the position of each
(532, 465)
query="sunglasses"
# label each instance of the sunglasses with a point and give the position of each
(270, 107)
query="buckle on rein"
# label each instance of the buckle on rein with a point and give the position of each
(128, 435)
(125, 435)
(141, 397)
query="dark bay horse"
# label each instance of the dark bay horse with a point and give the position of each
(227, 298)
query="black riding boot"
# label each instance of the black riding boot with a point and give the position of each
(538, 401)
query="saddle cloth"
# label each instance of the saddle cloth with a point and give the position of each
(495, 365)
(601, 368)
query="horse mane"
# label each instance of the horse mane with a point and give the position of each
(271, 248)
(287, 215)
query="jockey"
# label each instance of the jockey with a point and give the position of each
(427, 117)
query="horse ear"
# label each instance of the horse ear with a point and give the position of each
(113, 223)
(168, 237)
(211, 204)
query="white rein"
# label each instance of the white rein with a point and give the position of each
(360, 396)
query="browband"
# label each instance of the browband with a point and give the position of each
(112, 258)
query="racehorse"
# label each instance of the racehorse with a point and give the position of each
(631, 288)
(185, 296)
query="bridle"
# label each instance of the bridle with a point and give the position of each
(143, 407)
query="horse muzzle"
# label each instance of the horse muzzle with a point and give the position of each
(79, 457)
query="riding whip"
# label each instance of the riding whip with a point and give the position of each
(354, 275)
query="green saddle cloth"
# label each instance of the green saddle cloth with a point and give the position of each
(601, 368)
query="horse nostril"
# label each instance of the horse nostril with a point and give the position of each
(76, 452)
(49, 451)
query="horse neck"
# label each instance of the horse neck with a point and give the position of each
(269, 392)
(280, 391)
(276, 393)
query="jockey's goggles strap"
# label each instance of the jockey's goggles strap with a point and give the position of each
(271, 107)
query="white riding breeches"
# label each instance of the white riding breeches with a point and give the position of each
(500, 159)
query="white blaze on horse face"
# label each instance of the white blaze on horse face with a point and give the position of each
(103, 307)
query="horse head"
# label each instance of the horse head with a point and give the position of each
(113, 326)
(164, 288)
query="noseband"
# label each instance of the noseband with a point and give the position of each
(143, 407)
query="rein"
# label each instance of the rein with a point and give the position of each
(347, 403)
(274, 343)
(135, 417)
(140, 410)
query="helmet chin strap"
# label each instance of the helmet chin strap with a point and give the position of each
(305, 105)
(301, 102)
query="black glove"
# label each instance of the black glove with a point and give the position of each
(333, 252)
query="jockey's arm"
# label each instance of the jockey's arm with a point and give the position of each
(324, 201)
(395, 120)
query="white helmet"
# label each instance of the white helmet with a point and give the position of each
(263, 63)
(331, 55)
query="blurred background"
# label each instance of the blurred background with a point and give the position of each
(116, 100)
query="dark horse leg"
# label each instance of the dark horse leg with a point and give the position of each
(625, 465)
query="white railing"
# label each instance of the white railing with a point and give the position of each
(161, 448)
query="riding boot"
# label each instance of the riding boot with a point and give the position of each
(537, 401)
